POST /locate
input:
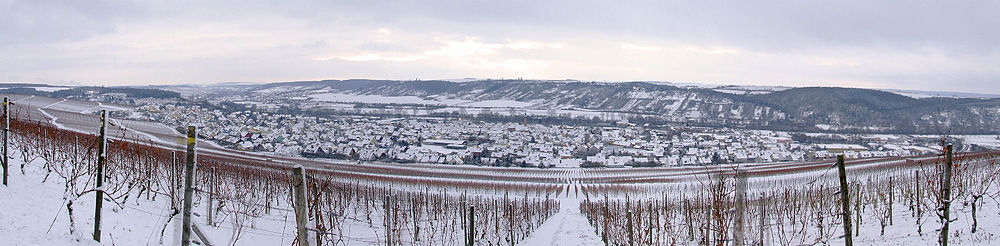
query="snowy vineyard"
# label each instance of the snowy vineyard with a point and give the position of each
(890, 203)
(243, 193)
(242, 198)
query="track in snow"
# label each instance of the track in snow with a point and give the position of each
(568, 227)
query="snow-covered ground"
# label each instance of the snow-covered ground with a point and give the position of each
(350, 98)
(904, 228)
(926, 94)
(353, 98)
(50, 89)
(991, 141)
(497, 104)
(568, 227)
(32, 212)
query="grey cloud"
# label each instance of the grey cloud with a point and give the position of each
(964, 26)
(958, 33)
(28, 22)
(961, 26)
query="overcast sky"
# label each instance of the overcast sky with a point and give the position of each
(927, 45)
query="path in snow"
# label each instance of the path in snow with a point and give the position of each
(568, 227)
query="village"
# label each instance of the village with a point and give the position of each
(467, 141)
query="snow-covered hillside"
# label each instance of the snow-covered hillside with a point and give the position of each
(768, 107)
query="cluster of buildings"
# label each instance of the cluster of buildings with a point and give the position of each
(459, 141)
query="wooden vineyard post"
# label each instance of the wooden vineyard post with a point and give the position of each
(651, 223)
(628, 224)
(890, 200)
(299, 187)
(211, 190)
(471, 237)
(6, 129)
(945, 195)
(857, 207)
(174, 176)
(607, 219)
(708, 221)
(919, 212)
(386, 220)
(687, 219)
(763, 217)
(741, 206)
(101, 154)
(845, 201)
(188, 187)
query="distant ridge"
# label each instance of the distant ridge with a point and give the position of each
(761, 107)
(767, 107)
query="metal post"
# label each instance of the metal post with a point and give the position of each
(101, 154)
(845, 201)
(299, 186)
(189, 169)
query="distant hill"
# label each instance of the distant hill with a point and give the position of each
(16, 85)
(879, 109)
(799, 109)
(85, 91)
(756, 107)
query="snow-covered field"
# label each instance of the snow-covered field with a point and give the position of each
(49, 89)
(497, 104)
(350, 98)
(982, 140)
(353, 98)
